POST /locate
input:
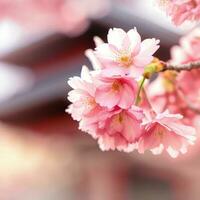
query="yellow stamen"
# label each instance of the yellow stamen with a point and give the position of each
(116, 85)
(120, 118)
(125, 60)
(117, 120)
(90, 103)
(159, 134)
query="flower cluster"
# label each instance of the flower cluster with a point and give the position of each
(111, 104)
(182, 10)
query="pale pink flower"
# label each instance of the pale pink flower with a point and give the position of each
(116, 91)
(156, 93)
(82, 95)
(179, 55)
(188, 51)
(189, 48)
(191, 44)
(115, 129)
(96, 63)
(182, 10)
(84, 107)
(121, 130)
(121, 126)
(165, 132)
(125, 53)
(163, 94)
(91, 123)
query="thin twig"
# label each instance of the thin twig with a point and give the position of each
(187, 67)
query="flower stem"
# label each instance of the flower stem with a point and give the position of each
(137, 100)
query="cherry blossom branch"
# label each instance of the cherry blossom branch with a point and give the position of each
(160, 66)
(119, 105)
(180, 67)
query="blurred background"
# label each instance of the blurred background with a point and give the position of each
(43, 155)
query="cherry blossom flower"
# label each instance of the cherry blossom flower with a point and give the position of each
(189, 48)
(181, 10)
(165, 132)
(84, 107)
(188, 51)
(90, 54)
(125, 53)
(113, 126)
(116, 91)
(121, 130)
(163, 94)
(82, 95)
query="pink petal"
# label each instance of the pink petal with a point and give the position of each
(135, 41)
(183, 130)
(106, 51)
(116, 37)
(172, 152)
(106, 143)
(148, 47)
(141, 60)
(127, 97)
(131, 129)
(105, 96)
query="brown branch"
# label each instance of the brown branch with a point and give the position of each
(187, 67)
